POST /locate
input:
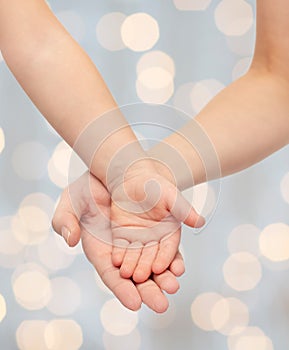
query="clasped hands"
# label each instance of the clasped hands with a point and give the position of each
(130, 232)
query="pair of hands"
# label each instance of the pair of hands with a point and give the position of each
(130, 236)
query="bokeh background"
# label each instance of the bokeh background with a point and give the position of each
(235, 292)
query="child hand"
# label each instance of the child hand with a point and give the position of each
(146, 215)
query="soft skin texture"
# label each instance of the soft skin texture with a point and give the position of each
(66, 87)
(84, 210)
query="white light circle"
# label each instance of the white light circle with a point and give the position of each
(156, 59)
(63, 334)
(202, 197)
(244, 238)
(3, 308)
(241, 67)
(108, 31)
(155, 96)
(65, 296)
(131, 341)
(60, 163)
(52, 256)
(2, 136)
(8, 244)
(201, 310)
(242, 271)
(230, 316)
(251, 338)
(155, 78)
(203, 91)
(234, 17)
(30, 335)
(29, 160)
(140, 31)
(32, 289)
(1, 57)
(31, 225)
(274, 242)
(192, 5)
(182, 99)
(116, 319)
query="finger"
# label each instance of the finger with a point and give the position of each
(182, 210)
(65, 222)
(143, 269)
(99, 254)
(167, 281)
(130, 260)
(118, 251)
(152, 296)
(168, 248)
(177, 266)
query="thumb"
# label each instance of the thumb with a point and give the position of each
(182, 210)
(65, 221)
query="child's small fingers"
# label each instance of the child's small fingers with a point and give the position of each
(167, 281)
(118, 251)
(168, 248)
(152, 296)
(130, 260)
(144, 266)
(178, 266)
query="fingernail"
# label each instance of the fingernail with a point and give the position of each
(65, 234)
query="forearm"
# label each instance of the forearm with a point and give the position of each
(245, 123)
(62, 82)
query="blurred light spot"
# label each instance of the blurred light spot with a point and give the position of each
(29, 160)
(251, 338)
(61, 244)
(234, 17)
(8, 244)
(63, 335)
(108, 31)
(203, 91)
(52, 256)
(3, 309)
(155, 78)
(201, 310)
(157, 96)
(140, 32)
(230, 316)
(244, 238)
(32, 289)
(31, 225)
(158, 321)
(274, 242)
(30, 335)
(241, 67)
(1, 57)
(202, 197)
(182, 99)
(64, 165)
(2, 136)
(192, 5)
(242, 45)
(156, 59)
(155, 81)
(284, 187)
(66, 296)
(73, 23)
(131, 341)
(242, 271)
(116, 319)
